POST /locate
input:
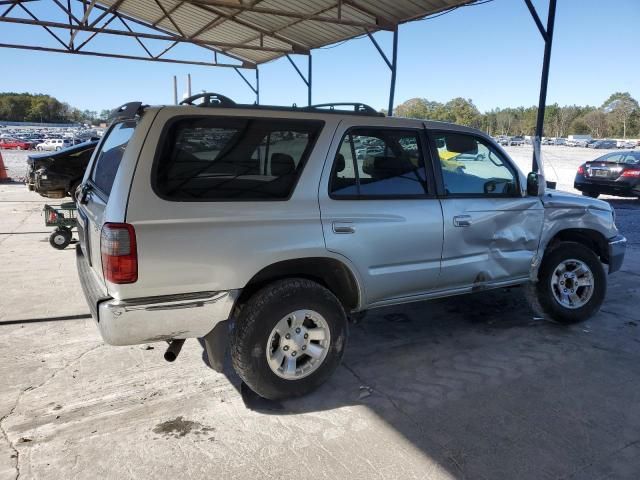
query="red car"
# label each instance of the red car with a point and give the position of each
(12, 143)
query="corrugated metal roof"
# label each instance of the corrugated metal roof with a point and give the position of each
(259, 31)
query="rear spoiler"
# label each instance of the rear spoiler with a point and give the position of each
(127, 111)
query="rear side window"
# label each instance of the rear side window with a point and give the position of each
(108, 160)
(226, 159)
(378, 163)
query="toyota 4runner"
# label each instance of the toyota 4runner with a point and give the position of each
(263, 229)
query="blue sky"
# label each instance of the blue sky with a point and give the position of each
(490, 53)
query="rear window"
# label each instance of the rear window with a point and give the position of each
(110, 156)
(216, 159)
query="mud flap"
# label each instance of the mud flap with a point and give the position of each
(216, 342)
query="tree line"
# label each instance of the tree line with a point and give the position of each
(27, 107)
(618, 116)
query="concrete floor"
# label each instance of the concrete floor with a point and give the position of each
(470, 387)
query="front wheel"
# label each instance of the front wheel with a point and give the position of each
(571, 283)
(288, 338)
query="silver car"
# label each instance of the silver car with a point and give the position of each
(262, 230)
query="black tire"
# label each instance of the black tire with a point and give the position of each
(257, 317)
(61, 238)
(547, 302)
(591, 194)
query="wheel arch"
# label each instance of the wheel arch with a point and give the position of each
(590, 238)
(331, 273)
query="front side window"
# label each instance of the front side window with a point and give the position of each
(470, 166)
(233, 158)
(378, 163)
(110, 155)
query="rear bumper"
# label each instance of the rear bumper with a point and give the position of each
(617, 248)
(623, 188)
(152, 319)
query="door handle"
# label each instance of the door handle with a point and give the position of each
(343, 227)
(462, 221)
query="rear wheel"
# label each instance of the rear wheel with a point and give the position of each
(61, 238)
(571, 283)
(591, 194)
(288, 338)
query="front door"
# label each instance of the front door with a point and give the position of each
(491, 227)
(379, 210)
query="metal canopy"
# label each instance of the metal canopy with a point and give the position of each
(247, 32)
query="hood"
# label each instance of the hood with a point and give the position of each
(559, 199)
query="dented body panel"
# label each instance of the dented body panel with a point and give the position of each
(498, 241)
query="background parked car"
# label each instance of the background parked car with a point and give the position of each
(54, 144)
(15, 144)
(625, 144)
(55, 175)
(616, 173)
(584, 143)
(603, 144)
(516, 141)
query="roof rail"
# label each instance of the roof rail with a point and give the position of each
(209, 100)
(357, 107)
(126, 111)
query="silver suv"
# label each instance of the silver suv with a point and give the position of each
(264, 229)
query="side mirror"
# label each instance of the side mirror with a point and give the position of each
(535, 184)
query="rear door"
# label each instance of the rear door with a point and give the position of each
(491, 227)
(97, 189)
(379, 209)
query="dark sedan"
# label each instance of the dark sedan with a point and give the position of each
(57, 174)
(615, 173)
(602, 144)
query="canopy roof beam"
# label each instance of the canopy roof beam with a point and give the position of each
(130, 33)
(337, 20)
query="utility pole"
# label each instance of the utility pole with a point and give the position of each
(188, 84)
(175, 90)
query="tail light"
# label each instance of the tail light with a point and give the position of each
(53, 216)
(631, 173)
(581, 170)
(119, 253)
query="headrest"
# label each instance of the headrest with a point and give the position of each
(340, 164)
(282, 164)
(387, 167)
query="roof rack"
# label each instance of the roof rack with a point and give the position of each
(216, 100)
(357, 107)
(209, 100)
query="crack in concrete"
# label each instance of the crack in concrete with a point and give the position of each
(5, 434)
(600, 459)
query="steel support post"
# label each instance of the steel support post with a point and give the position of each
(257, 86)
(394, 65)
(309, 82)
(547, 35)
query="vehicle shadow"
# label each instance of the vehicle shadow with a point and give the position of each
(480, 385)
